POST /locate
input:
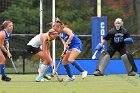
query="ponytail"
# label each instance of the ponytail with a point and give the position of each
(1, 27)
(57, 20)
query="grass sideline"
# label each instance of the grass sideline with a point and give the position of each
(103, 84)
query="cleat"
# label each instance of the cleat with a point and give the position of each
(47, 77)
(5, 78)
(70, 79)
(84, 74)
(132, 73)
(40, 79)
(98, 73)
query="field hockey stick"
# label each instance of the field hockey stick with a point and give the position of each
(135, 51)
(56, 74)
(60, 61)
(11, 59)
(55, 71)
(94, 55)
(96, 51)
(58, 77)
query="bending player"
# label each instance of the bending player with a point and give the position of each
(118, 37)
(33, 47)
(74, 45)
(6, 29)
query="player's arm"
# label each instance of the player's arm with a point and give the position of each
(45, 49)
(43, 38)
(102, 42)
(4, 49)
(128, 39)
(71, 35)
(63, 41)
(100, 45)
(48, 47)
(64, 47)
(2, 37)
(48, 52)
(7, 44)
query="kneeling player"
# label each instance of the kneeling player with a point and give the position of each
(118, 37)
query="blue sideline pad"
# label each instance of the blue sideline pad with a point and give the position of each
(114, 67)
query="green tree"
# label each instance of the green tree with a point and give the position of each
(76, 14)
(24, 16)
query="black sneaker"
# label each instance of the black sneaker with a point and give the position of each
(5, 78)
(132, 73)
(98, 73)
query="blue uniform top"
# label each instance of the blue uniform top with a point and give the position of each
(74, 40)
(7, 35)
(74, 43)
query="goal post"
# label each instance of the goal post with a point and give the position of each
(50, 70)
(99, 29)
(53, 43)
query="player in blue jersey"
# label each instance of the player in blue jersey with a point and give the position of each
(6, 29)
(74, 46)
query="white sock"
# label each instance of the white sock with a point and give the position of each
(40, 63)
(42, 68)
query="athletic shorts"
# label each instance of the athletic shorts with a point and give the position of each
(32, 50)
(112, 50)
(77, 46)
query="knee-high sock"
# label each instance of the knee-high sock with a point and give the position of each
(78, 66)
(67, 67)
(42, 69)
(2, 68)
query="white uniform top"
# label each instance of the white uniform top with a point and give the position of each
(36, 41)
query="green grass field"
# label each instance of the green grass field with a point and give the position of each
(91, 84)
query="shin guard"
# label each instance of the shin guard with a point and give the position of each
(129, 62)
(103, 62)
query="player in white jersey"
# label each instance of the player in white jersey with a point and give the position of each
(33, 47)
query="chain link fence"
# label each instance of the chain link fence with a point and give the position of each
(25, 16)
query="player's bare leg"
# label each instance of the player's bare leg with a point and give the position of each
(73, 55)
